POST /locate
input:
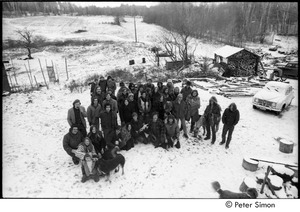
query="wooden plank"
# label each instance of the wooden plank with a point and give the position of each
(266, 160)
(265, 179)
(43, 74)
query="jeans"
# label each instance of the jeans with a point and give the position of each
(229, 129)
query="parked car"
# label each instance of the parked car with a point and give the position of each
(289, 69)
(274, 96)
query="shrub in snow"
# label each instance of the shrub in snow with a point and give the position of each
(75, 86)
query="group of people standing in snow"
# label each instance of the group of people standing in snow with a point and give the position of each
(142, 113)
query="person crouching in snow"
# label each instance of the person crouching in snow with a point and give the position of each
(126, 139)
(87, 154)
(71, 141)
(97, 140)
(138, 128)
(230, 118)
(156, 131)
(172, 132)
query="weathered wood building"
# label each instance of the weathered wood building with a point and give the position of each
(237, 61)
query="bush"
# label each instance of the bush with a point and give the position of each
(91, 78)
(75, 86)
(121, 75)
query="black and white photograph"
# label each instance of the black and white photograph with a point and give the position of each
(150, 100)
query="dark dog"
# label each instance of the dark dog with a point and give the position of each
(225, 194)
(106, 166)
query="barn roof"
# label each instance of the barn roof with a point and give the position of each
(227, 51)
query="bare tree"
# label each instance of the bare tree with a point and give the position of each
(27, 40)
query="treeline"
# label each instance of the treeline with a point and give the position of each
(61, 8)
(231, 22)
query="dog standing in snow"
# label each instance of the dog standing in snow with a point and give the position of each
(107, 166)
(225, 194)
(199, 123)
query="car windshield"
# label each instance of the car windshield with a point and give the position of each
(275, 89)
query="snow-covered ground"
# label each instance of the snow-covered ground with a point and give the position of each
(35, 164)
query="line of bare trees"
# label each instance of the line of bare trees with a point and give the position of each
(234, 22)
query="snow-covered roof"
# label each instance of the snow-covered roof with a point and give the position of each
(227, 51)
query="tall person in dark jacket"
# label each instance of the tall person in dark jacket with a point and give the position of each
(103, 84)
(99, 94)
(230, 118)
(126, 111)
(93, 113)
(108, 125)
(187, 90)
(212, 116)
(71, 141)
(93, 86)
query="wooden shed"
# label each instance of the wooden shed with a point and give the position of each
(239, 61)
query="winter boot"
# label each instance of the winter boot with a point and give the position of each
(84, 178)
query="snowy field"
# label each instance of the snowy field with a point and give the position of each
(36, 166)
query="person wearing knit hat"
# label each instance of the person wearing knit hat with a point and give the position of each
(212, 115)
(76, 115)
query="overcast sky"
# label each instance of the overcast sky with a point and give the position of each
(114, 3)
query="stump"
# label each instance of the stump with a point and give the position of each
(247, 183)
(286, 146)
(249, 164)
(276, 182)
(283, 172)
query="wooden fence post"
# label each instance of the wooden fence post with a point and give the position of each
(30, 71)
(43, 74)
(66, 68)
(28, 76)
(37, 85)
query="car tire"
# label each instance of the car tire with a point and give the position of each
(282, 109)
(254, 107)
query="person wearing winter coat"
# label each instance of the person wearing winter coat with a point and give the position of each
(172, 132)
(87, 154)
(93, 113)
(187, 90)
(230, 118)
(71, 141)
(158, 106)
(170, 86)
(168, 107)
(126, 111)
(150, 85)
(138, 94)
(166, 94)
(138, 129)
(76, 115)
(103, 84)
(132, 102)
(93, 86)
(156, 132)
(121, 97)
(179, 111)
(99, 94)
(131, 87)
(111, 85)
(108, 125)
(127, 140)
(113, 103)
(160, 87)
(212, 115)
(144, 105)
(122, 90)
(193, 101)
(97, 140)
